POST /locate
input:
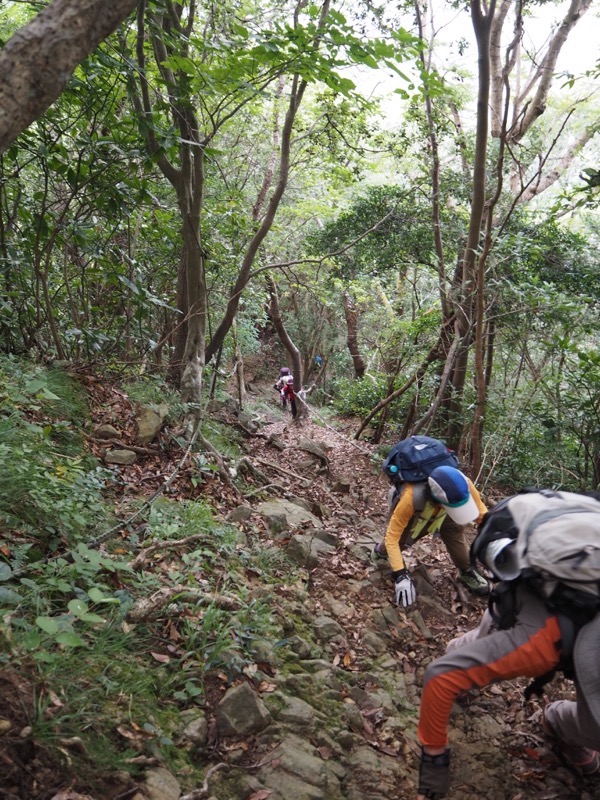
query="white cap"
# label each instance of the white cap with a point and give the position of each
(451, 488)
(501, 557)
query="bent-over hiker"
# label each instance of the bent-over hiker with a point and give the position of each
(536, 626)
(446, 502)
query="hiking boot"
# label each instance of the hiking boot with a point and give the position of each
(582, 760)
(474, 582)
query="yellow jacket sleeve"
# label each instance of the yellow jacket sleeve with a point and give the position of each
(401, 517)
(477, 497)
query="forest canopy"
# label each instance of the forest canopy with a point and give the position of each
(192, 177)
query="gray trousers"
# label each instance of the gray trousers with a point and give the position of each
(529, 649)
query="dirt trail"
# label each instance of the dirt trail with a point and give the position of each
(497, 744)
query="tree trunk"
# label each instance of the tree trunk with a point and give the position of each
(482, 25)
(294, 353)
(351, 316)
(38, 61)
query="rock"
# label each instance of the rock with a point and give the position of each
(276, 523)
(240, 514)
(241, 711)
(299, 646)
(336, 606)
(353, 715)
(374, 643)
(327, 628)
(301, 775)
(277, 442)
(341, 486)
(263, 651)
(248, 421)
(417, 618)
(196, 730)
(124, 457)
(300, 501)
(229, 404)
(106, 431)
(160, 784)
(304, 549)
(149, 422)
(327, 537)
(296, 516)
(291, 710)
(315, 449)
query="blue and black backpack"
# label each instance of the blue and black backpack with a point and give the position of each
(414, 459)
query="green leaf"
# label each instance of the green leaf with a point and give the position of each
(77, 607)
(9, 597)
(91, 618)
(96, 595)
(32, 640)
(47, 624)
(5, 572)
(45, 657)
(69, 639)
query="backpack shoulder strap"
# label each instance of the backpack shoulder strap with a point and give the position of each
(419, 496)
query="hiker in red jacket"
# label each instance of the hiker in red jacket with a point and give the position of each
(285, 385)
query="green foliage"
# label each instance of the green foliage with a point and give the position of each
(49, 487)
(542, 252)
(152, 390)
(400, 234)
(102, 690)
(358, 397)
(535, 453)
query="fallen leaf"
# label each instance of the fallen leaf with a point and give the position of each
(164, 659)
(262, 794)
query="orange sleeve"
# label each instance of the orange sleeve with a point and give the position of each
(477, 497)
(401, 517)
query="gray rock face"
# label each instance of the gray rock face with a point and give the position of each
(149, 422)
(241, 711)
(240, 514)
(123, 457)
(197, 731)
(106, 431)
(301, 774)
(296, 515)
(160, 784)
(303, 551)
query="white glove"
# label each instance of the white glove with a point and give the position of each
(405, 589)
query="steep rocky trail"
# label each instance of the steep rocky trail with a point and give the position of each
(371, 655)
(326, 706)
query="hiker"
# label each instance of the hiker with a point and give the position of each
(446, 501)
(538, 622)
(285, 386)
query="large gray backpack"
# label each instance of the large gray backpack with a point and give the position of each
(557, 544)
